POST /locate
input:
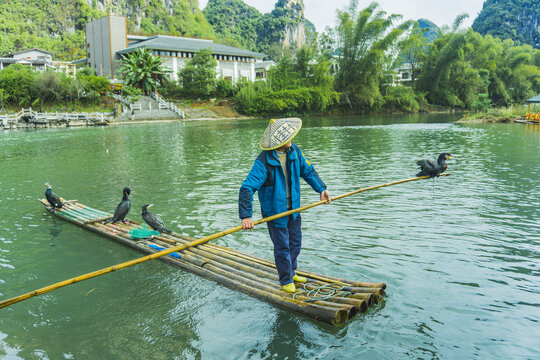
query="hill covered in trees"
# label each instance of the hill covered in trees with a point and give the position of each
(58, 25)
(518, 20)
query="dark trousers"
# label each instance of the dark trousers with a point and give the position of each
(287, 244)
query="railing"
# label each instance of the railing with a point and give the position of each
(47, 117)
(162, 104)
(135, 107)
(121, 99)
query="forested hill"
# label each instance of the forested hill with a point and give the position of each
(518, 20)
(58, 25)
(245, 25)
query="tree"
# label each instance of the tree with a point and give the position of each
(413, 50)
(49, 87)
(143, 70)
(363, 42)
(198, 77)
(17, 80)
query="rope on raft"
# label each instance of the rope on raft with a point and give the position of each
(322, 292)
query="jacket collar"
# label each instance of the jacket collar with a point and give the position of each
(272, 158)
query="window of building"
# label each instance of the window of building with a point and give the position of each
(405, 75)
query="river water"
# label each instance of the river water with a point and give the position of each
(459, 254)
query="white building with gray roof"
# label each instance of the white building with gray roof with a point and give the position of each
(107, 40)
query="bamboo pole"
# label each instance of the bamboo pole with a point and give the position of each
(16, 299)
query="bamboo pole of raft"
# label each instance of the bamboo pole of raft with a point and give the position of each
(177, 248)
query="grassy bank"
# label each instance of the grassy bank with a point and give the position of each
(496, 115)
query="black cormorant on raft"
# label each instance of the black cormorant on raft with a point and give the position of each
(432, 169)
(324, 298)
(122, 209)
(153, 220)
(52, 198)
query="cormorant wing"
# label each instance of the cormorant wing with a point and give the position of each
(427, 164)
(121, 210)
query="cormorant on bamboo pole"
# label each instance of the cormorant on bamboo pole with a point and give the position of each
(153, 220)
(432, 169)
(122, 208)
(52, 198)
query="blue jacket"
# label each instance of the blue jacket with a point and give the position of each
(266, 177)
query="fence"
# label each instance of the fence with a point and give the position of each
(162, 104)
(30, 116)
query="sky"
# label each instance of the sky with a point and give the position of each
(322, 13)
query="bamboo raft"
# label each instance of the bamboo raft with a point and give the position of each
(323, 298)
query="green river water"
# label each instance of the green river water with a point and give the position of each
(459, 254)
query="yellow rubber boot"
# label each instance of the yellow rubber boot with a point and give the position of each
(299, 279)
(289, 288)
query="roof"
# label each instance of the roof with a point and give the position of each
(33, 49)
(21, 61)
(175, 43)
(535, 99)
(81, 61)
(264, 64)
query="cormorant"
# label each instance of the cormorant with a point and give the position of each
(154, 220)
(122, 208)
(428, 167)
(52, 198)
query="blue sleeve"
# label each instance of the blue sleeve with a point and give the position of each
(308, 173)
(255, 179)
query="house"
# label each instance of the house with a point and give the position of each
(107, 41)
(38, 59)
(403, 74)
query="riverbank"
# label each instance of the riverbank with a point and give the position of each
(496, 115)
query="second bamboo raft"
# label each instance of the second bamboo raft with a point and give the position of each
(324, 298)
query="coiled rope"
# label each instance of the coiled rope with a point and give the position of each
(322, 292)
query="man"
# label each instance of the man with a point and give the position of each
(276, 176)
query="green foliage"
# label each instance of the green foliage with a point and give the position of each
(460, 66)
(284, 102)
(50, 87)
(363, 42)
(18, 83)
(22, 87)
(143, 70)
(235, 21)
(225, 88)
(413, 50)
(295, 86)
(400, 99)
(128, 90)
(198, 77)
(482, 103)
(510, 19)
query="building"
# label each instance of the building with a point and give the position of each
(38, 59)
(107, 41)
(262, 68)
(403, 74)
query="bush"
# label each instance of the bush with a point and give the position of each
(253, 101)
(400, 99)
(482, 103)
(224, 88)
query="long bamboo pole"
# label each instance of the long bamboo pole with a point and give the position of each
(16, 299)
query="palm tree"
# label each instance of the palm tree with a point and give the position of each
(143, 70)
(364, 40)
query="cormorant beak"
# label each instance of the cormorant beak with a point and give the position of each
(149, 206)
(449, 157)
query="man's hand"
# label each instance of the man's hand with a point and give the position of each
(247, 224)
(326, 195)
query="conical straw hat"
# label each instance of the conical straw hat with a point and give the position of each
(279, 132)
